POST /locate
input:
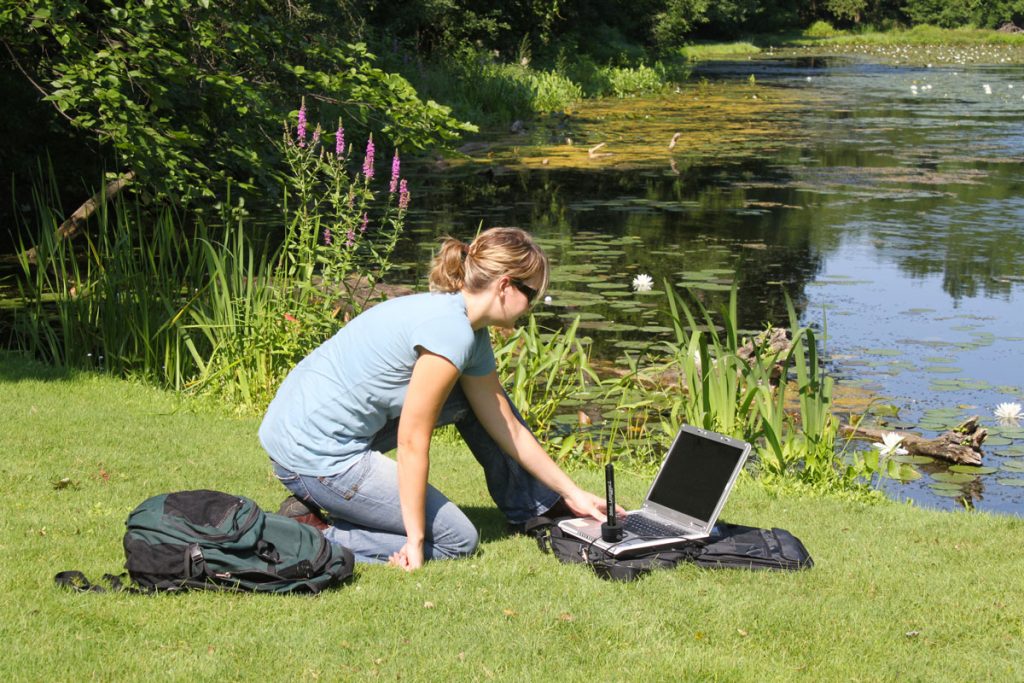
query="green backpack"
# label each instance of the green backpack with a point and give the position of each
(217, 541)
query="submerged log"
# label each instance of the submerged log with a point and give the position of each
(961, 445)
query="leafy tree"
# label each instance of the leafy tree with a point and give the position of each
(847, 10)
(189, 93)
(983, 13)
(679, 18)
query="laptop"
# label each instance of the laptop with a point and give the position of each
(684, 500)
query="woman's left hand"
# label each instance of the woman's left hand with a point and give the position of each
(409, 558)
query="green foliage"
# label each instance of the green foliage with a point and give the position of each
(720, 387)
(188, 93)
(713, 378)
(699, 51)
(484, 90)
(677, 20)
(188, 308)
(541, 371)
(641, 80)
(820, 29)
(844, 10)
(940, 13)
(984, 14)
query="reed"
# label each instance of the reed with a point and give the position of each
(543, 370)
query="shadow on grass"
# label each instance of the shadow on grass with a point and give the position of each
(489, 520)
(16, 366)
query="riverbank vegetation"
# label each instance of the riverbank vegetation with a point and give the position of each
(896, 593)
(219, 314)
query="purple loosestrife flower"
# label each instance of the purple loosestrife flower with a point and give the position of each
(368, 161)
(316, 136)
(300, 131)
(350, 238)
(366, 222)
(395, 165)
(403, 195)
(339, 140)
(327, 236)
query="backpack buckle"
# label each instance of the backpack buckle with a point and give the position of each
(196, 561)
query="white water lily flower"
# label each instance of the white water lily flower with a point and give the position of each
(891, 444)
(643, 283)
(1008, 412)
(547, 299)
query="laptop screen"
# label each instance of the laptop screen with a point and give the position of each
(695, 474)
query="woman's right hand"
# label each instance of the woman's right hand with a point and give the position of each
(586, 504)
(409, 558)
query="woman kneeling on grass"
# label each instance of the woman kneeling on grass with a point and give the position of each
(386, 380)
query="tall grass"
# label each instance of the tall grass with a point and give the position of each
(494, 94)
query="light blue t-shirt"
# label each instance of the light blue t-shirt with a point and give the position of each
(331, 404)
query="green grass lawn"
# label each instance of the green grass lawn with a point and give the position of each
(897, 593)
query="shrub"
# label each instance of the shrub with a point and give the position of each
(820, 29)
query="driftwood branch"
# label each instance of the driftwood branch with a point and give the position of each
(961, 445)
(70, 227)
(773, 342)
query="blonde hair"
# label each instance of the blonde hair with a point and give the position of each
(494, 253)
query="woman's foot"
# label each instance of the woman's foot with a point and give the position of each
(559, 509)
(295, 509)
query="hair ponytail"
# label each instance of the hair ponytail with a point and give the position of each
(494, 253)
(448, 271)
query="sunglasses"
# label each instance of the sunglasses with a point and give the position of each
(529, 292)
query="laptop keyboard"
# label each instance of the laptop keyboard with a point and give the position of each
(648, 528)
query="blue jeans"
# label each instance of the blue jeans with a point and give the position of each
(363, 504)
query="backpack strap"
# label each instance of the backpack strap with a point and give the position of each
(540, 528)
(77, 581)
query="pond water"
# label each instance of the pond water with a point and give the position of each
(887, 200)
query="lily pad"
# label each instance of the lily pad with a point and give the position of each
(913, 459)
(885, 410)
(947, 493)
(950, 413)
(942, 369)
(883, 352)
(1014, 466)
(952, 477)
(1010, 482)
(997, 441)
(908, 473)
(972, 469)
(942, 486)
(706, 286)
(1011, 452)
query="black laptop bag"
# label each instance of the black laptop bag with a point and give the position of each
(730, 546)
